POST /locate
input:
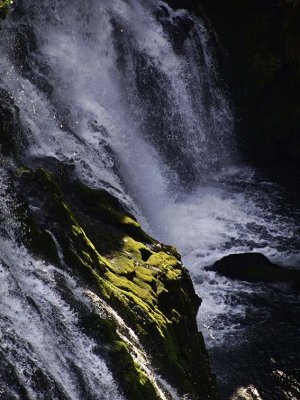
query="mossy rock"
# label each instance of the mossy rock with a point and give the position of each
(140, 278)
(4, 7)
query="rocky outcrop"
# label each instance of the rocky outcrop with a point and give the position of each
(254, 267)
(90, 234)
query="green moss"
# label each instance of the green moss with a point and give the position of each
(4, 7)
(104, 206)
(133, 376)
(122, 266)
(162, 260)
(135, 383)
(23, 171)
(47, 181)
(145, 274)
(141, 279)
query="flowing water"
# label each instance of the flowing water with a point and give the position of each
(130, 93)
(252, 330)
(43, 352)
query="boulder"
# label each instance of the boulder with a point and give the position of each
(254, 267)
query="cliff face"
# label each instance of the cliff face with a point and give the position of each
(262, 40)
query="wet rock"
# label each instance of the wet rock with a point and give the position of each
(9, 124)
(4, 6)
(254, 267)
(144, 281)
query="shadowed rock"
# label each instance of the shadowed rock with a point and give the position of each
(254, 267)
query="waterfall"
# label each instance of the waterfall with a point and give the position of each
(114, 88)
(129, 93)
(43, 353)
(104, 86)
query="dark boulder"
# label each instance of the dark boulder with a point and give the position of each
(254, 267)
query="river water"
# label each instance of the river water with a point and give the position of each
(252, 330)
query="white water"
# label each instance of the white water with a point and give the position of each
(237, 213)
(105, 86)
(97, 59)
(40, 336)
(41, 341)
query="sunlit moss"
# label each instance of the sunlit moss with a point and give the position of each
(142, 280)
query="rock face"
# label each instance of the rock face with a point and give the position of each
(9, 122)
(254, 267)
(262, 41)
(89, 233)
(4, 7)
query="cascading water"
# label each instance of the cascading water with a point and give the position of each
(43, 352)
(129, 93)
(103, 78)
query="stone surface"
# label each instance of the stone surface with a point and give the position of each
(254, 267)
(91, 234)
(4, 4)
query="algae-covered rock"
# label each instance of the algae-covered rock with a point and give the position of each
(4, 5)
(90, 233)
